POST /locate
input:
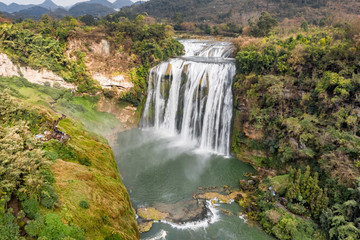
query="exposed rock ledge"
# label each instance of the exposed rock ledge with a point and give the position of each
(9, 69)
(180, 212)
(117, 81)
(185, 211)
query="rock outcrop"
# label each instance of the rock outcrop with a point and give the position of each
(107, 66)
(108, 82)
(42, 77)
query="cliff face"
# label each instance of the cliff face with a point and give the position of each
(42, 77)
(107, 66)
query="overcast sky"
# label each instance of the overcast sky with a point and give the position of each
(58, 2)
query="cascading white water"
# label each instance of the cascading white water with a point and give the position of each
(192, 95)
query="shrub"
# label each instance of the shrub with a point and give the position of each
(297, 209)
(84, 204)
(114, 237)
(9, 230)
(51, 227)
(84, 161)
(109, 93)
(31, 207)
(48, 196)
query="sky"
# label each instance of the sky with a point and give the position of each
(63, 3)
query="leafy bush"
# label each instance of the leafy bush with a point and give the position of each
(114, 237)
(48, 196)
(84, 204)
(297, 209)
(84, 161)
(342, 220)
(30, 207)
(286, 226)
(56, 150)
(9, 230)
(51, 227)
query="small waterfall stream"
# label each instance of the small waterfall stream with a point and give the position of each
(192, 95)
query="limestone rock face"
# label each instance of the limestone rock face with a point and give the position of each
(251, 132)
(43, 76)
(102, 48)
(107, 66)
(117, 81)
(9, 69)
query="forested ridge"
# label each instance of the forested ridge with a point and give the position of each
(205, 13)
(297, 114)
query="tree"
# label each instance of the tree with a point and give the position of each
(88, 19)
(305, 26)
(343, 220)
(263, 26)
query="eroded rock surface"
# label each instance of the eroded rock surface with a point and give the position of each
(117, 80)
(181, 212)
(9, 69)
(186, 211)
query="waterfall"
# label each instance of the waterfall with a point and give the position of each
(192, 95)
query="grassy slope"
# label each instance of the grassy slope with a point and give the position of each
(110, 211)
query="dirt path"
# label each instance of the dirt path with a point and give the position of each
(279, 205)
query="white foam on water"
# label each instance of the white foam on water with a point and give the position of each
(242, 217)
(159, 236)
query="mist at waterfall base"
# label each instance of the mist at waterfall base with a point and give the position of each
(184, 143)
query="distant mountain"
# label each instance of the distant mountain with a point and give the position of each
(138, 3)
(60, 13)
(240, 11)
(3, 5)
(95, 9)
(101, 2)
(48, 4)
(34, 12)
(122, 3)
(14, 7)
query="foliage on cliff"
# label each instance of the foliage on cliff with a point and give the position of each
(297, 104)
(44, 184)
(147, 42)
(44, 44)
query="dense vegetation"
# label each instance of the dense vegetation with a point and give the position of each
(218, 12)
(44, 44)
(297, 112)
(26, 177)
(57, 190)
